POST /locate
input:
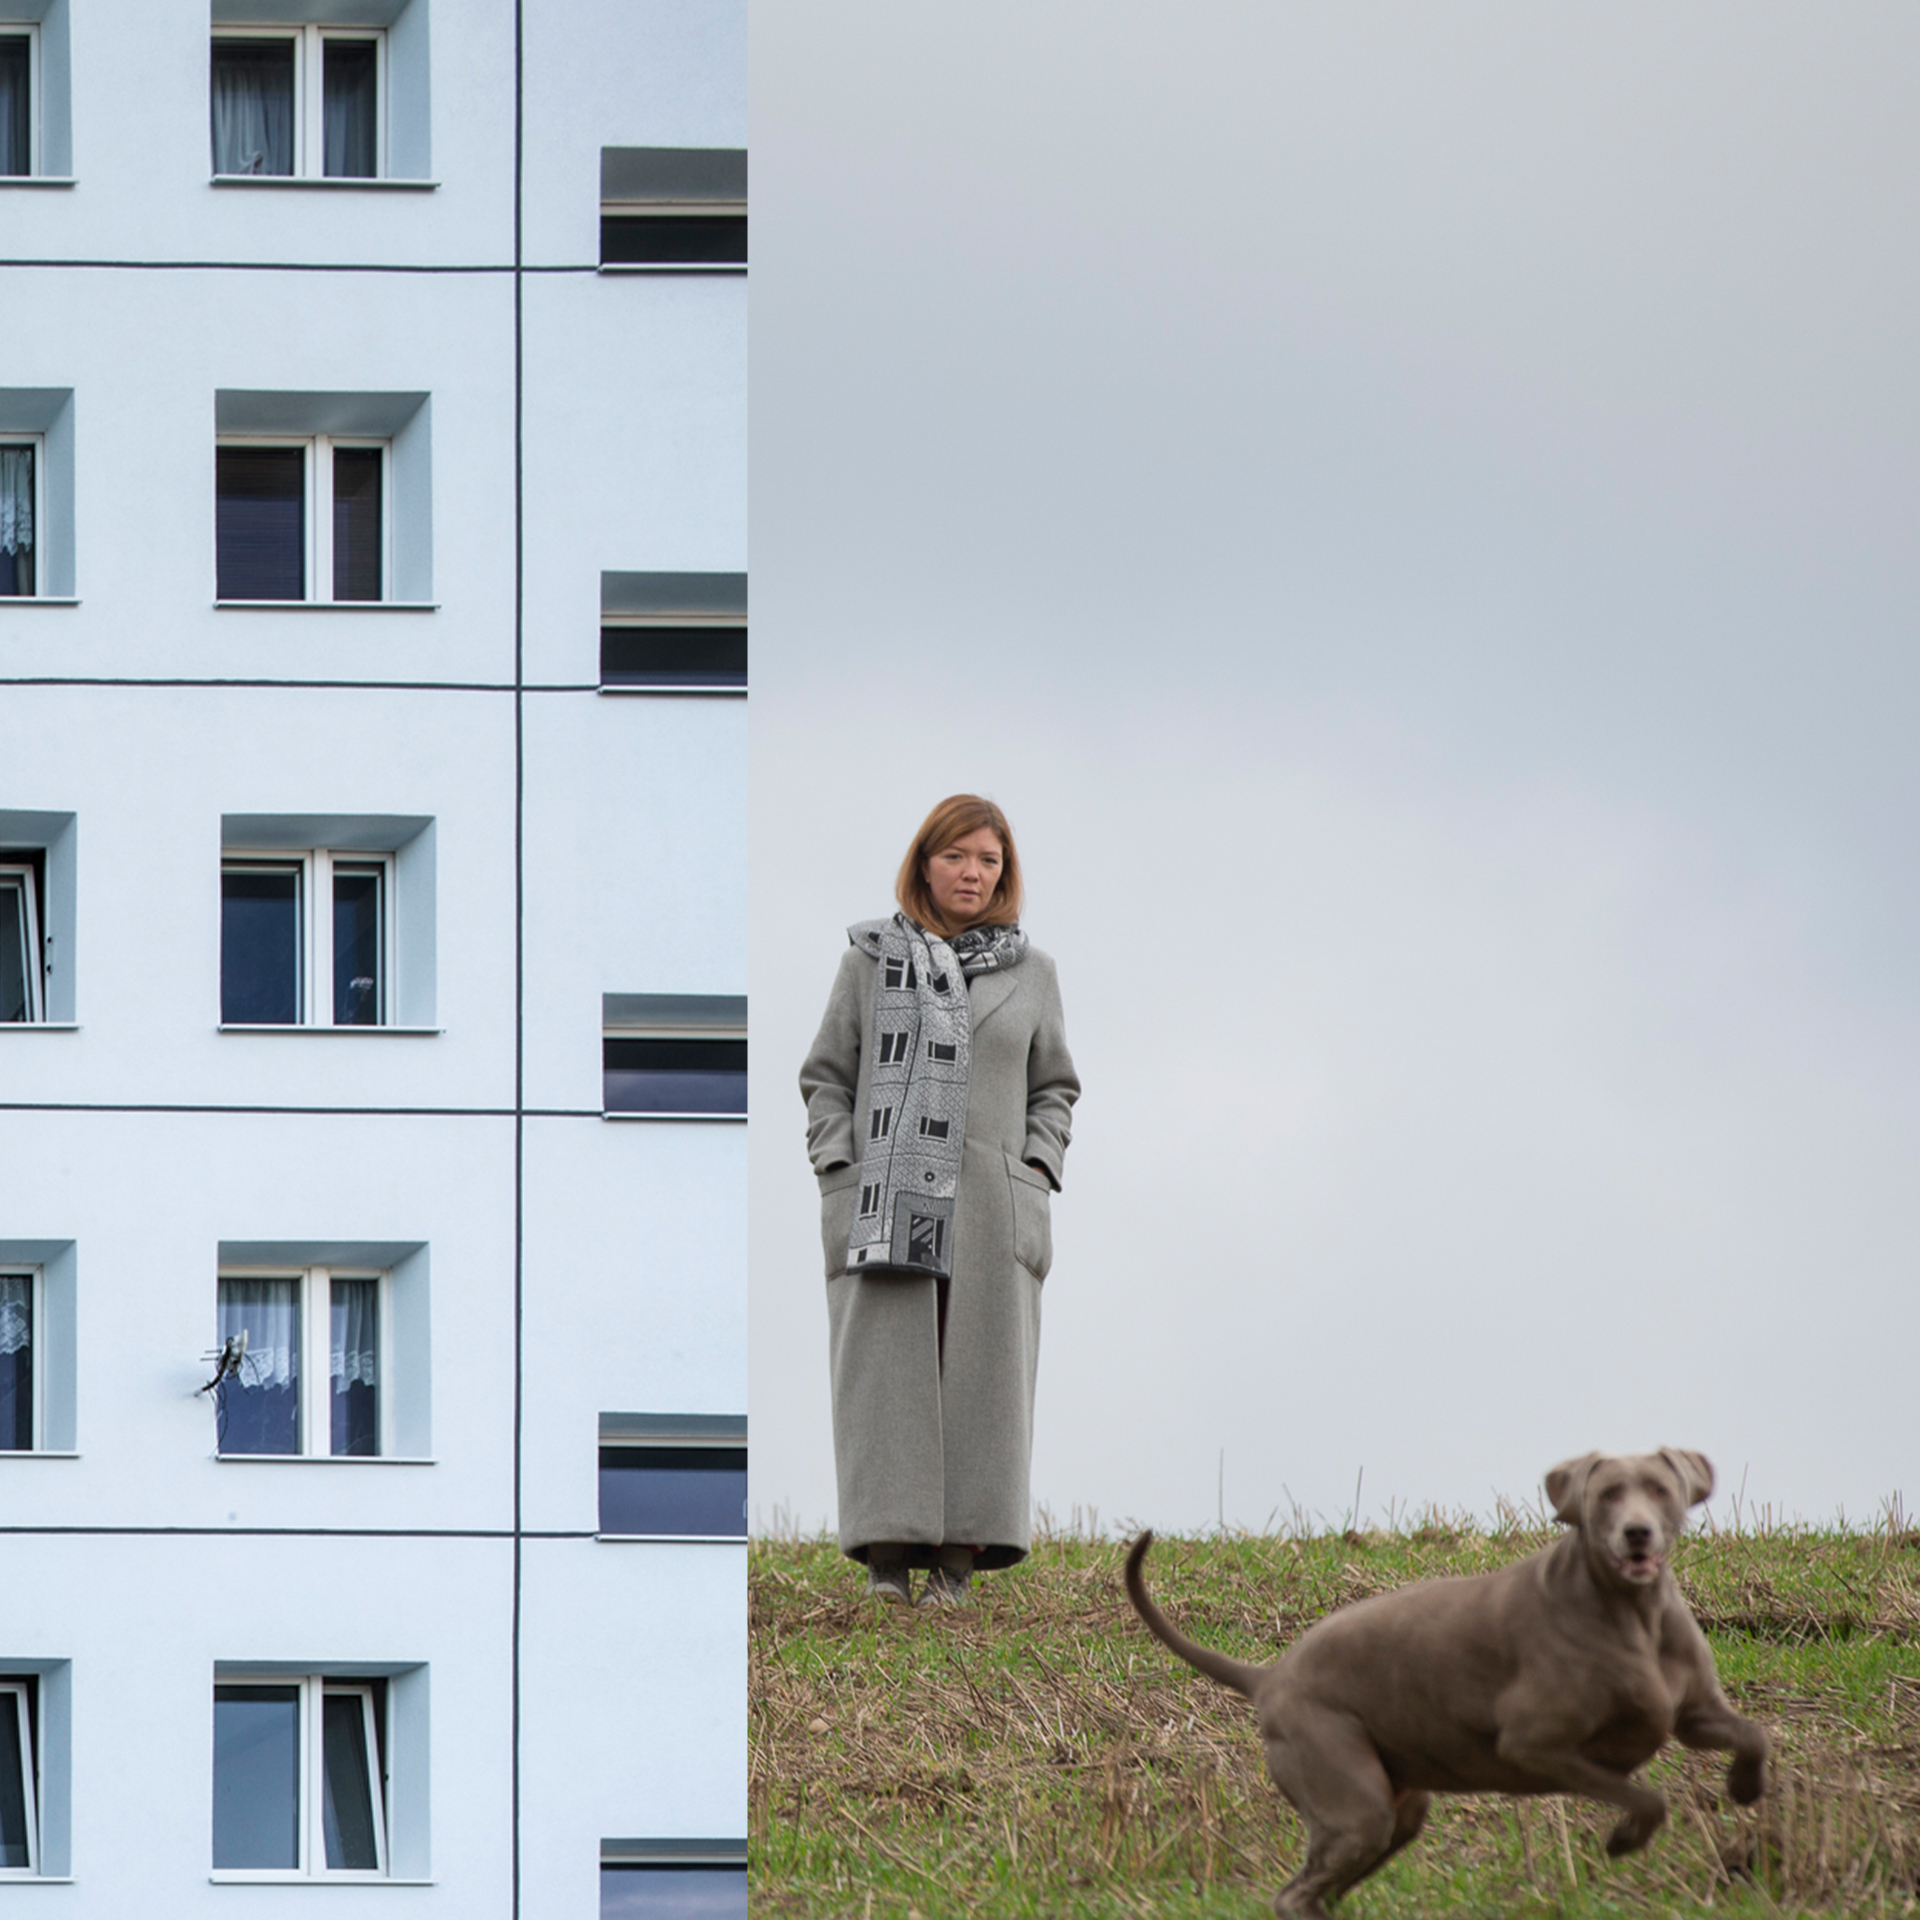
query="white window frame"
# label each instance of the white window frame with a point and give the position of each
(316, 522)
(316, 1346)
(309, 97)
(37, 1363)
(36, 970)
(315, 867)
(38, 442)
(18, 1691)
(12, 29)
(314, 1687)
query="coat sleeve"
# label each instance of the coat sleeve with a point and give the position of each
(830, 1074)
(1052, 1087)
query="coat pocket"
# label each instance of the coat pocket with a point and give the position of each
(839, 1195)
(1032, 1217)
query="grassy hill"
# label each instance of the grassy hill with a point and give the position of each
(1041, 1755)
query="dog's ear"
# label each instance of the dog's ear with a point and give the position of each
(1567, 1484)
(1695, 1473)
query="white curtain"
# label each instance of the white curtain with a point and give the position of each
(353, 1323)
(16, 499)
(268, 1311)
(16, 1312)
(252, 110)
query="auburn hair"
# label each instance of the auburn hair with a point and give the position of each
(953, 819)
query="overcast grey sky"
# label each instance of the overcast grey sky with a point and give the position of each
(1412, 512)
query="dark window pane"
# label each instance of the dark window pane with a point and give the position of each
(673, 239)
(16, 1765)
(353, 1317)
(669, 657)
(16, 956)
(348, 1813)
(674, 1076)
(673, 1490)
(16, 104)
(252, 107)
(357, 998)
(256, 1776)
(18, 532)
(349, 137)
(356, 523)
(16, 1368)
(260, 522)
(260, 947)
(259, 1410)
(673, 1893)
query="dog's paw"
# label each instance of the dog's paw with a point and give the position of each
(1637, 1829)
(1747, 1778)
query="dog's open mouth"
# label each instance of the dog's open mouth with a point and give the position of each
(1639, 1564)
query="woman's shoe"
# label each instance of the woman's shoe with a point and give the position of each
(888, 1579)
(947, 1583)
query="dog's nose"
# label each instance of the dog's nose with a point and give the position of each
(1638, 1537)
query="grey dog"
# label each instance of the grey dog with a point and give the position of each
(1559, 1674)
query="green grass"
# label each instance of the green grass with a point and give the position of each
(1041, 1755)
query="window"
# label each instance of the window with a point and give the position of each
(23, 955)
(674, 209)
(673, 632)
(20, 464)
(674, 1056)
(298, 102)
(673, 1476)
(311, 1380)
(322, 499)
(271, 544)
(22, 1315)
(36, 489)
(300, 1775)
(305, 939)
(19, 1776)
(673, 1880)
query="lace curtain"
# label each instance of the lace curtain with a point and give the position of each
(353, 1314)
(16, 1313)
(16, 499)
(253, 106)
(268, 1311)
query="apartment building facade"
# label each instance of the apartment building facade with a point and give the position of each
(372, 957)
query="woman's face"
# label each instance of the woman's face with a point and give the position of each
(964, 877)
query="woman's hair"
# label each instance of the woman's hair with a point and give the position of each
(953, 819)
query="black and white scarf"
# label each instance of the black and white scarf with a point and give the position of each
(921, 1050)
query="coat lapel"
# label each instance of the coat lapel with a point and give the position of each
(989, 992)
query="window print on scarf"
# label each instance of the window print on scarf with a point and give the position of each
(932, 1129)
(942, 1052)
(893, 1048)
(900, 975)
(880, 1126)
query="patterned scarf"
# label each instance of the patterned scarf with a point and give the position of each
(922, 1045)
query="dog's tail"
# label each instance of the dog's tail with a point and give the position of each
(1236, 1674)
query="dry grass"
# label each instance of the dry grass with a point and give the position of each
(1041, 1755)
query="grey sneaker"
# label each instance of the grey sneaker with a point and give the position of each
(890, 1583)
(947, 1587)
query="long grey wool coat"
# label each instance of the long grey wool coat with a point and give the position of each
(933, 1451)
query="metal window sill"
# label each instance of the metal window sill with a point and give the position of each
(36, 180)
(39, 1026)
(332, 606)
(38, 600)
(36, 1879)
(608, 686)
(331, 182)
(332, 1459)
(234, 1877)
(39, 1453)
(408, 1033)
(736, 270)
(608, 1113)
(673, 1539)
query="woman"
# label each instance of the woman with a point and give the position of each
(938, 1095)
